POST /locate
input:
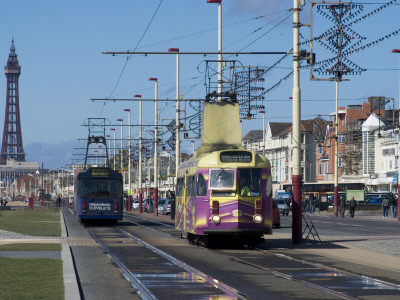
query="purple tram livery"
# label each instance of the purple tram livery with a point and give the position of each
(98, 194)
(224, 191)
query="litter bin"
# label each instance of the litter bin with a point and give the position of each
(323, 202)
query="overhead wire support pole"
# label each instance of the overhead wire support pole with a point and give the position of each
(296, 107)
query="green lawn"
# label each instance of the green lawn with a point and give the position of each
(31, 247)
(36, 222)
(31, 279)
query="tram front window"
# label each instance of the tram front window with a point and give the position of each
(249, 182)
(99, 188)
(222, 178)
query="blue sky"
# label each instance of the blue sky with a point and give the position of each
(60, 44)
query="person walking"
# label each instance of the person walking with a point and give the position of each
(393, 204)
(58, 201)
(352, 204)
(342, 206)
(385, 207)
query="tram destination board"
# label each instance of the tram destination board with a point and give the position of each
(236, 157)
(99, 172)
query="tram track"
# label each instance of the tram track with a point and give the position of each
(145, 292)
(257, 260)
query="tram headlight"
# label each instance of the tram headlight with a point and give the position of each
(216, 219)
(257, 218)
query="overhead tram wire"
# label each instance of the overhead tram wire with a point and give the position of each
(127, 59)
(208, 30)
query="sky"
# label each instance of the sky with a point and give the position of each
(60, 47)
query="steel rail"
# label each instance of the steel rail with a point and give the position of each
(135, 282)
(301, 281)
(212, 281)
(287, 276)
(332, 269)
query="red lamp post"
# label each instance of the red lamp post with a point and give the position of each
(140, 153)
(398, 162)
(155, 145)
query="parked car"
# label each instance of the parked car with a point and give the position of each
(376, 198)
(331, 198)
(135, 204)
(276, 219)
(283, 207)
(165, 207)
(149, 206)
(161, 203)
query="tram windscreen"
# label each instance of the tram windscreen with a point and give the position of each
(99, 188)
(249, 182)
(222, 178)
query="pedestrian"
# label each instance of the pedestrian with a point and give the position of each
(342, 206)
(385, 207)
(352, 204)
(393, 204)
(58, 203)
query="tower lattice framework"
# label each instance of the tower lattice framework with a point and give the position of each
(12, 147)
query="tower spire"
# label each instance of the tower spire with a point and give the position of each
(12, 147)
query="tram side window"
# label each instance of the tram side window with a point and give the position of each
(191, 186)
(201, 185)
(179, 187)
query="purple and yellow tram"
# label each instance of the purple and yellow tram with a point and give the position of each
(224, 193)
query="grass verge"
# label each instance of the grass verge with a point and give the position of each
(31, 279)
(31, 247)
(36, 222)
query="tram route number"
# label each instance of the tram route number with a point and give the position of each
(99, 206)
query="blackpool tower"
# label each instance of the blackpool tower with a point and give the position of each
(12, 147)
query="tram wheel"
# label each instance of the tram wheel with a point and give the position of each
(204, 241)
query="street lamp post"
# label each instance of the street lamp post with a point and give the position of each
(140, 153)
(177, 125)
(398, 153)
(129, 161)
(263, 112)
(122, 144)
(113, 130)
(155, 146)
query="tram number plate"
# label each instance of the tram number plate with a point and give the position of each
(236, 156)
